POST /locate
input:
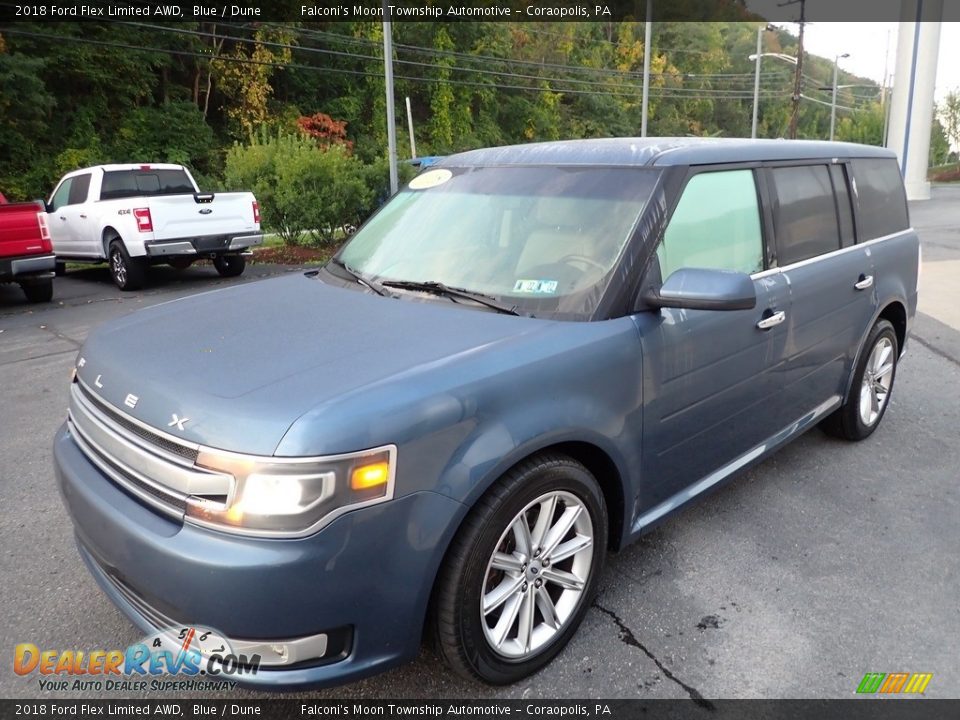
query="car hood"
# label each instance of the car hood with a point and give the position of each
(243, 363)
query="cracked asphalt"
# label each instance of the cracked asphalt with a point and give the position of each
(827, 561)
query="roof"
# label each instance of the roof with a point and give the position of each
(660, 152)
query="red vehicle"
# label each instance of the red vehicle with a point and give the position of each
(26, 255)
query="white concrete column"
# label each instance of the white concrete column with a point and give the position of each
(915, 75)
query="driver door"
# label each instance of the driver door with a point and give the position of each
(711, 377)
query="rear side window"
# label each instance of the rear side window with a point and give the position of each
(882, 200)
(78, 190)
(716, 225)
(805, 213)
(135, 183)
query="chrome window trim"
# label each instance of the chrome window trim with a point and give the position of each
(833, 253)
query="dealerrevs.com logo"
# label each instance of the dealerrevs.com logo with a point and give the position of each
(175, 659)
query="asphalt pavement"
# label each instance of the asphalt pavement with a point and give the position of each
(827, 561)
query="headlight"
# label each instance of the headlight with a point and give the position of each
(289, 497)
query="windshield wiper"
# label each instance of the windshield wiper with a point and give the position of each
(365, 281)
(438, 288)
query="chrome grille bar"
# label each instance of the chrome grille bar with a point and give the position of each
(150, 472)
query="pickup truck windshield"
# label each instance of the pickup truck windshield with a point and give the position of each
(544, 239)
(137, 183)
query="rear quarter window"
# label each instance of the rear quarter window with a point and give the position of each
(881, 199)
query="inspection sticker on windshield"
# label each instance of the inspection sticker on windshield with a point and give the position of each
(535, 286)
(429, 179)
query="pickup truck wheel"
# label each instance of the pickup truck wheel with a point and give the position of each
(229, 265)
(869, 394)
(38, 292)
(521, 572)
(128, 273)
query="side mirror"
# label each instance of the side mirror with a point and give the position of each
(700, 289)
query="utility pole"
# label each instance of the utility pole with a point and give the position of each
(391, 117)
(798, 78)
(647, 33)
(756, 83)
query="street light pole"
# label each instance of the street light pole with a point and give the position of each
(391, 117)
(647, 34)
(833, 103)
(756, 83)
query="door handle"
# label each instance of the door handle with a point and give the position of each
(772, 320)
(864, 282)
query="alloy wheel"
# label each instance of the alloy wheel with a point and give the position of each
(537, 575)
(877, 379)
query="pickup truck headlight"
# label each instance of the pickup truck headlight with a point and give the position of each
(291, 497)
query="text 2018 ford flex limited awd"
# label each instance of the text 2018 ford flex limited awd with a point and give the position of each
(528, 357)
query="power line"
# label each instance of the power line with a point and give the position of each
(249, 61)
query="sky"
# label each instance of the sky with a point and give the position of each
(867, 43)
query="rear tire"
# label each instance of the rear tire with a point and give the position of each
(869, 394)
(38, 292)
(521, 572)
(229, 265)
(128, 273)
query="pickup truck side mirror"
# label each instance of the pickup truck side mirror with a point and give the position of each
(701, 289)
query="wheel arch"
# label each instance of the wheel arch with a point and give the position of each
(598, 462)
(894, 311)
(108, 235)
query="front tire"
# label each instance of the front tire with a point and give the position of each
(229, 265)
(128, 273)
(869, 394)
(521, 572)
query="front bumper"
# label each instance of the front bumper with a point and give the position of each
(210, 244)
(28, 267)
(365, 579)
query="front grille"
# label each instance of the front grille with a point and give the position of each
(172, 447)
(155, 469)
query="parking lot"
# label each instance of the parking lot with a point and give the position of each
(828, 561)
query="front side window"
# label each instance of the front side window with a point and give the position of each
(716, 225)
(805, 214)
(543, 238)
(61, 195)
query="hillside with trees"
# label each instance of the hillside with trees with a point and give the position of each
(296, 111)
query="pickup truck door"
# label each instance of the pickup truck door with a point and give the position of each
(70, 227)
(711, 377)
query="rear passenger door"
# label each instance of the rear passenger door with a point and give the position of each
(710, 376)
(831, 281)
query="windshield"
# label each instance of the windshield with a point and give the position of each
(542, 238)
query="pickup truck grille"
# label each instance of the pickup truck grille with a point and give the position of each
(155, 468)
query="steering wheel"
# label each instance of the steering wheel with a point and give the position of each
(571, 259)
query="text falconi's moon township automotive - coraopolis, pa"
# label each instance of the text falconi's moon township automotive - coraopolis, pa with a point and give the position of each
(397, 12)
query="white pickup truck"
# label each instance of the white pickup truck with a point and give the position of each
(137, 215)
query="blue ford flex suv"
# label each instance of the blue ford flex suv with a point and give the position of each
(527, 358)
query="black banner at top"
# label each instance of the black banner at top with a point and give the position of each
(511, 11)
